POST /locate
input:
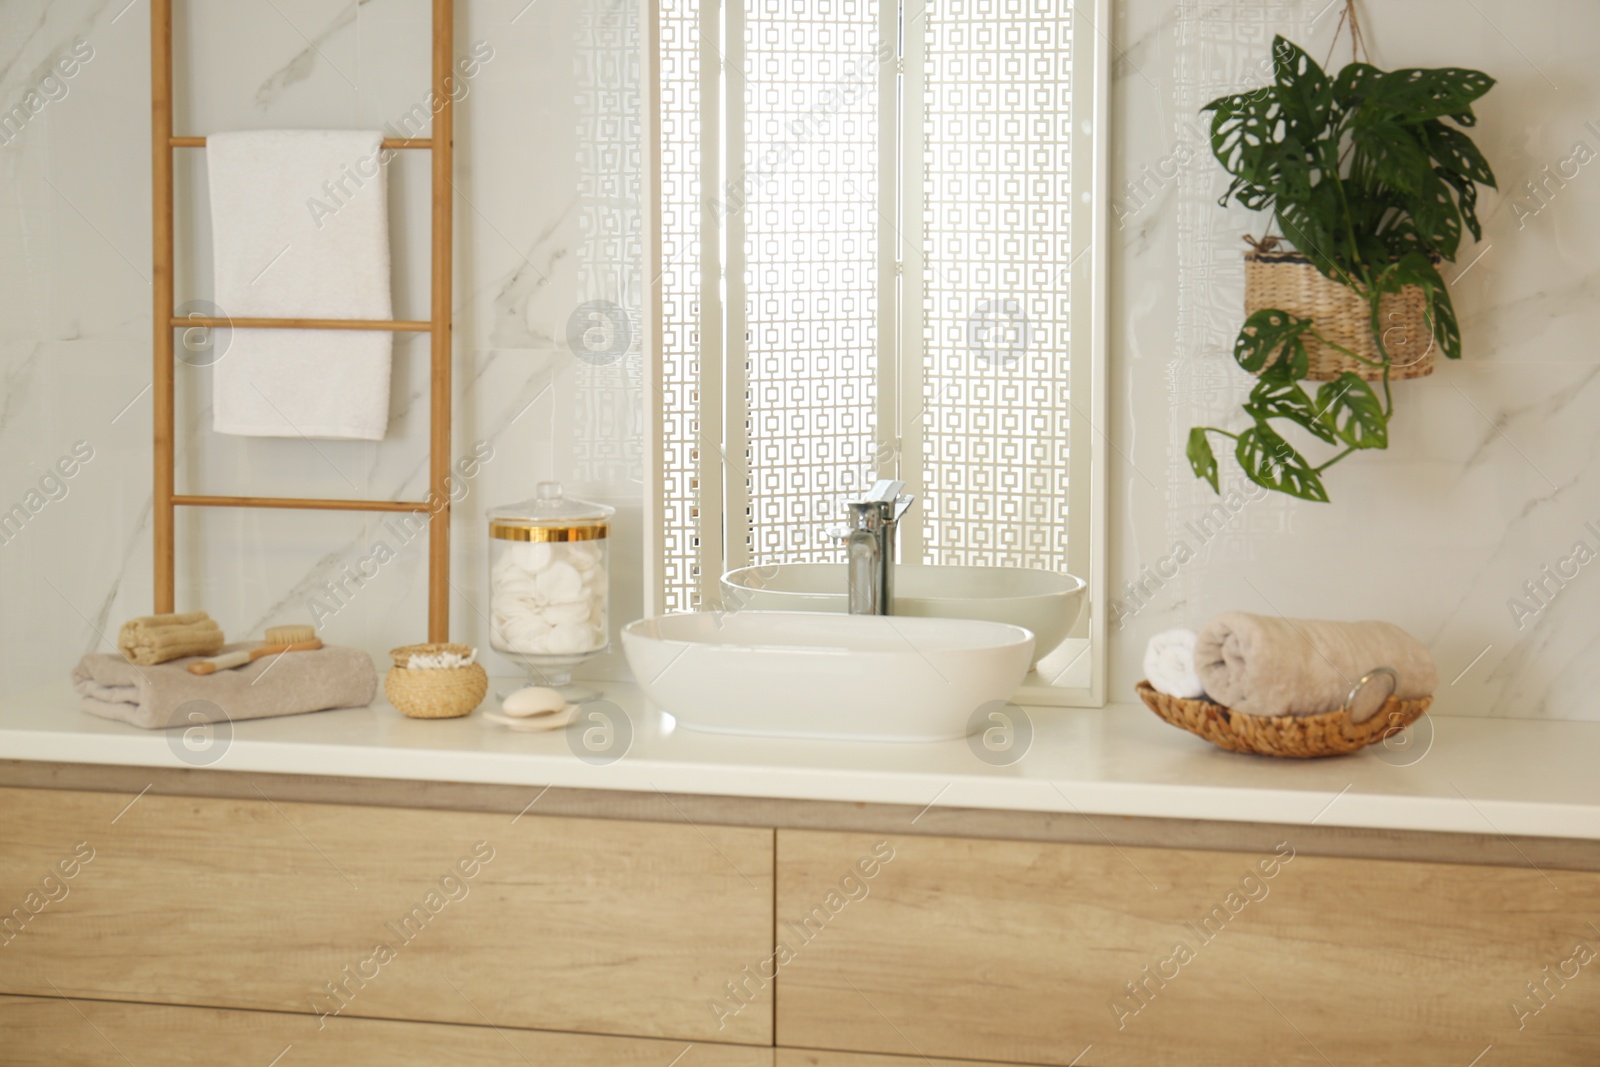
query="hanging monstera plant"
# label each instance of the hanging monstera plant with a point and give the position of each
(1372, 183)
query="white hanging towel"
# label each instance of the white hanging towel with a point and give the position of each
(300, 229)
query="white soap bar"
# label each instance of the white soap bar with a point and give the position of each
(533, 700)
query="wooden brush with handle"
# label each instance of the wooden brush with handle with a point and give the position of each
(279, 639)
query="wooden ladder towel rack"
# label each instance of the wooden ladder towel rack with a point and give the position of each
(166, 322)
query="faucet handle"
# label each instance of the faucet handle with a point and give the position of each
(884, 491)
(902, 504)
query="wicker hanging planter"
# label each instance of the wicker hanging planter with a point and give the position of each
(1288, 282)
(1373, 175)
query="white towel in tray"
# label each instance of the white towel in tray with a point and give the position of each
(299, 220)
(1169, 664)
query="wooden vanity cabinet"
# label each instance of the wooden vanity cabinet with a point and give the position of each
(178, 929)
(1105, 956)
(51, 1032)
(588, 925)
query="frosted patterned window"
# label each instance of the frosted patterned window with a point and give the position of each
(867, 213)
(994, 361)
(683, 56)
(805, 272)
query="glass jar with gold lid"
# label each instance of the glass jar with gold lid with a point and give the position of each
(549, 585)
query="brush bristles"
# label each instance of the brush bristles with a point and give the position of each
(290, 635)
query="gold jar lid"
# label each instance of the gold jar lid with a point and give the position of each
(510, 531)
(550, 516)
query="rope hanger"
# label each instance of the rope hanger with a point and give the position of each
(1350, 17)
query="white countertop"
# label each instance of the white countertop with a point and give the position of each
(1515, 777)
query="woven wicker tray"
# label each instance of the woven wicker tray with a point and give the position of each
(1302, 737)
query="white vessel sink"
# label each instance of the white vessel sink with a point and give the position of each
(1046, 602)
(837, 677)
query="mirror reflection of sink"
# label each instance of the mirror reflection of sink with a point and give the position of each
(833, 677)
(1046, 602)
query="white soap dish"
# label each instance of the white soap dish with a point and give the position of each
(532, 724)
(533, 709)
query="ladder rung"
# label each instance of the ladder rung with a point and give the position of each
(391, 325)
(388, 142)
(299, 503)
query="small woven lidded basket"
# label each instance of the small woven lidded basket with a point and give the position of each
(436, 693)
(1295, 737)
(1288, 282)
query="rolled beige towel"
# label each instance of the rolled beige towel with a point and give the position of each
(154, 639)
(1267, 665)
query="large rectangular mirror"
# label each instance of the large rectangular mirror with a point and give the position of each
(877, 251)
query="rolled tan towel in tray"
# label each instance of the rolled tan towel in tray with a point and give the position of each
(1266, 665)
(154, 639)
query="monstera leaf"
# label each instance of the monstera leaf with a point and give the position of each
(1304, 94)
(1414, 268)
(1272, 337)
(1278, 395)
(1201, 459)
(1244, 138)
(1398, 156)
(1350, 411)
(1305, 224)
(1453, 152)
(1354, 84)
(1466, 200)
(1417, 95)
(1270, 461)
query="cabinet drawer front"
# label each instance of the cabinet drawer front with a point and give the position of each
(791, 1057)
(548, 923)
(1097, 955)
(50, 1032)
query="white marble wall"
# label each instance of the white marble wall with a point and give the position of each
(540, 176)
(1490, 477)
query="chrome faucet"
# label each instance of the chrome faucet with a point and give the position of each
(869, 547)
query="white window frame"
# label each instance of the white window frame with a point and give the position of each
(1088, 345)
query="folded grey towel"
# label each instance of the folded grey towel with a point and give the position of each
(166, 694)
(1266, 665)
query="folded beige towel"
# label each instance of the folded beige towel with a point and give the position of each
(159, 638)
(1266, 665)
(168, 695)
